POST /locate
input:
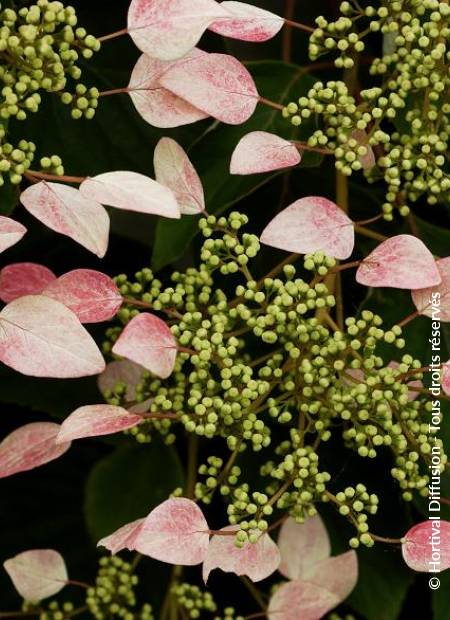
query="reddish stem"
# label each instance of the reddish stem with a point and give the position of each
(369, 221)
(271, 104)
(158, 416)
(113, 35)
(315, 149)
(298, 25)
(114, 91)
(408, 318)
(45, 176)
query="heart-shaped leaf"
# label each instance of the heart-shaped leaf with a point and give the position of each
(255, 560)
(300, 599)
(423, 298)
(147, 341)
(123, 538)
(65, 210)
(260, 151)
(131, 191)
(422, 540)
(302, 545)
(175, 532)
(174, 170)
(309, 225)
(402, 261)
(10, 232)
(157, 105)
(218, 84)
(169, 30)
(247, 23)
(30, 446)
(121, 371)
(42, 338)
(91, 295)
(21, 279)
(37, 574)
(96, 420)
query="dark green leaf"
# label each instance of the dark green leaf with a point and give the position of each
(440, 598)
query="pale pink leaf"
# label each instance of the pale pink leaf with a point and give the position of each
(121, 371)
(300, 600)
(123, 538)
(445, 378)
(147, 341)
(10, 232)
(42, 338)
(96, 420)
(142, 407)
(169, 30)
(412, 394)
(218, 84)
(302, 545)
(247, 23)
(157, 105)
(423, 298)
(257, 561)
(175, 532)
(90, 294)
(402, 261)
(37, 574)
(427, 546)
(21, 279)
(260, 151)
(65, 210)
(368, 160)
(338, 574)
(131, 191)
(30, 446)
(309, 225)
(174, 170)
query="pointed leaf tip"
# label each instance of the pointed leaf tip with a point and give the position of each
(247, 23)
(309, 225)
(123, 538)
(402, 261)
(11, 232)
(19, 279)
(37, 574)
(260, 151)
(147, 341)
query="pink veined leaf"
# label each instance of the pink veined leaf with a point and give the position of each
(174, 169)
(247, 23)
(169, 30)
(218, 84)
(300, 600)
(37, 574)
(42, 338)
(422, 298)
(157, 105)
(302, 545)
(21, 279)
(175, 532)
(91, 295)
(402, 261)
(131, 191)
(260, 151)
(338, 574)
(147, 341)
(65, 210)
(412, 394)
(309, 225)
(96, 420)
(123, 538)
(368, 160)
(445, 378)
(425, 543)
(257, 561)
(121, 371)
(10, 232)
(30, 446)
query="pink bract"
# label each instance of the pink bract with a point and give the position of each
(309, 225)
(423, 298)
(175, 532)
(65, 210)
(302, 545)
(123, 538)
(121, 371)
(90, 294)
(157, 105)
(402, 261)
(96, 420)
(260, 151)
(21, 279)
(174, 169)
(131, 191)
(10, 232)
(37, 574)
(30, 446)
(300, 600)
(147, 341)
(247, 23)
(169, 30)
(218, 84)
(425, 543)
(257, 561)
(43, 338)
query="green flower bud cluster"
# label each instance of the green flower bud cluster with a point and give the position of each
(14, 160)
(84, 101)
(335, 616)
(56, 611)
(318, 263)
(193, 600)
(52, 165)
(229, 613)
(356, 504)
